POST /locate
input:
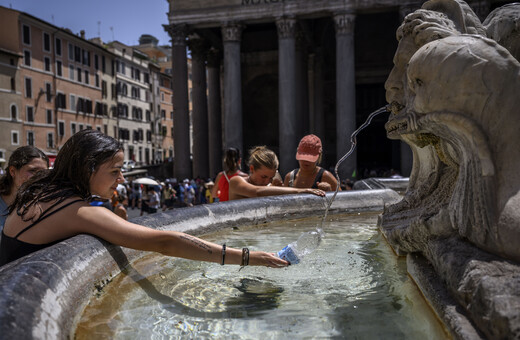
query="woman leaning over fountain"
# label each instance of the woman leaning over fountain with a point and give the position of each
(310, 174)
(54, 206)
(22, 165)
(263, 164)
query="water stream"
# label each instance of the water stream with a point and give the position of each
(353, 144)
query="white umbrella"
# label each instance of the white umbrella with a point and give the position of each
(145, 181)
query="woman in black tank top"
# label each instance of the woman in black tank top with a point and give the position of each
(310, 175)
(54, 205)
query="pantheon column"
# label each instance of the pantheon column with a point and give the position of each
(181, 126)
(214, 113)
(233, 135)
(302, 86)
(287, 94)
(345, 91)
(318, 127)
(199, 114)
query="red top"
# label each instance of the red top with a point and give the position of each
(223, 187)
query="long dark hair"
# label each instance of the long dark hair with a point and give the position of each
(231, 157)
(77, 160)
(20, 157)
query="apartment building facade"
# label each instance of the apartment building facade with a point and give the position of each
(54, 83)
(166, 113)
(135, 109)
(10, 102)
(55, 86)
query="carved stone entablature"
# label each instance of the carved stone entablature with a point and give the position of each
(178, 33)
(232, 32)
(344, 23)
(286, 27)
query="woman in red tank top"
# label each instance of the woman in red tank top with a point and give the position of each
(231, 162)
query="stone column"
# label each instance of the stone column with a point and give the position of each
(302, 86)
(287, 94)
(200, 108)
(233, 135)
(345, 91)
(214, 113)
(319, 83)
(181, 118)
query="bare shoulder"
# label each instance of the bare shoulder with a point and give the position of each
(237, 180)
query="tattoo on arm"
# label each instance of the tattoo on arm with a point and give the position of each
(197, 242)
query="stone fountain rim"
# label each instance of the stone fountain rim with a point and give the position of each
(43, 295)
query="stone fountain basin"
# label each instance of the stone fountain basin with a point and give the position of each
(43, 295)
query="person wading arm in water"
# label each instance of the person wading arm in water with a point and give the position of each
(53, 206)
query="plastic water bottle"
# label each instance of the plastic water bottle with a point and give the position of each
(304, 245)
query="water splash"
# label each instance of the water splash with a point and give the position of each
(353, 143)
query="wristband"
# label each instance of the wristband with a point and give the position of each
(223, 254)
(245, 257)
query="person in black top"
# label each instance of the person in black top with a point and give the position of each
(310, 175)
(54, 205)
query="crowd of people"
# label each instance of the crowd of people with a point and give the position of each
(85, 192)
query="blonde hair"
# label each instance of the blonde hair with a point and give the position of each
(261, 156)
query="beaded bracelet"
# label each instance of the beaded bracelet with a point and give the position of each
(223, 254)
(245, 257)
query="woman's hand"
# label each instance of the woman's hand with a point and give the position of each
(261, 258)
(324, 186)
(317, 192)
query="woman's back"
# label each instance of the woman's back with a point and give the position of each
(223, 184)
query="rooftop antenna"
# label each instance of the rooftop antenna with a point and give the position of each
(98, 29)
(52, 18)
(112, 30)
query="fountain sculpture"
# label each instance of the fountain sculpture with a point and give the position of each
(453, 94)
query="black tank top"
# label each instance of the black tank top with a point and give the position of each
(12, 249)
(317, 179)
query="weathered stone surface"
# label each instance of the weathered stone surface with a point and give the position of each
(453, 93)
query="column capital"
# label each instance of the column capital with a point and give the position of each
(178, 33)
(232, 32)
(286, 27)
(344, 23)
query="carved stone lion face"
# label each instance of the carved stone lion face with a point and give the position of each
(417, 29)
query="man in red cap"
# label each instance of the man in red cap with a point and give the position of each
(310, 175)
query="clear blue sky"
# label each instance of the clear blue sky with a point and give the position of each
(128, 18)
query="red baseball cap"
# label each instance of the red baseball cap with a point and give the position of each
(309, 149)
